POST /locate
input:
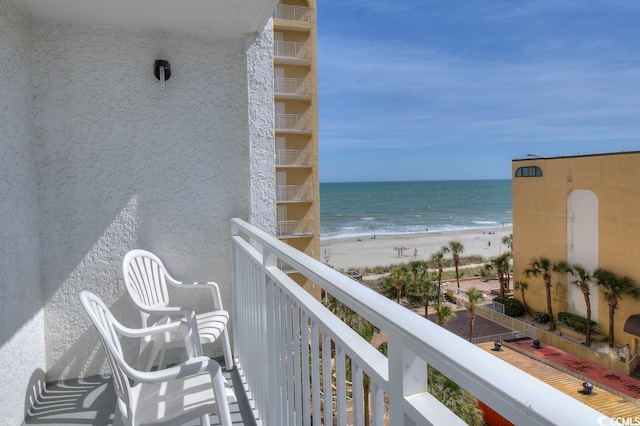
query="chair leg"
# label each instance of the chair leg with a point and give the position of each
(226, 348)
(220, 392)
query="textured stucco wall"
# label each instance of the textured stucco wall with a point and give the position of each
(21, 317)
(125, 164)
(261, 125)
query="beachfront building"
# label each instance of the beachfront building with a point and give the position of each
(100, 154)
(295, 93)
(581, 210)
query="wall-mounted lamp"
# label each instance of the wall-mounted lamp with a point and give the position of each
(162, 71)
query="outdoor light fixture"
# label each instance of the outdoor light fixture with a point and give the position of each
(497, 346)
(162, 71)
(536, 344)
(587, 388)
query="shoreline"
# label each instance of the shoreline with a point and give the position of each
(383, 250)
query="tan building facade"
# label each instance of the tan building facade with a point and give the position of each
(296, 126)
(581, 210)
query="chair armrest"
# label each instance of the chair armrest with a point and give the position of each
(215, 291)
(191, 337)
(193, 366)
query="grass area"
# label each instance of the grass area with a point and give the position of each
(465, 269)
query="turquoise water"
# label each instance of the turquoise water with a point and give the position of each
(368, 208)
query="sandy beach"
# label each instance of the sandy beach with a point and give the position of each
(383, 250)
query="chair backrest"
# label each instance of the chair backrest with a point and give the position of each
(104, 322)
(145, 278)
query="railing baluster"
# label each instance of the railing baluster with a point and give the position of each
(315, 373)
(306, 372)
(327, 378)
(377, 405)
(341, 387)
(357, 394)
(297, 370)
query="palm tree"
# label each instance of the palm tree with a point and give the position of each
(522, 286)
(438, 259)
(613, 289)
(501, 265)
(456, 248)
(474, 297)
(418, 269)
(508, 241)
(543, 266)
(399, 278)
(583, 279)
(444, 311)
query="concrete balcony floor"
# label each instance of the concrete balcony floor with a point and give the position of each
(92, 401)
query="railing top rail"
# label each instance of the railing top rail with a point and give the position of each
(464, 363)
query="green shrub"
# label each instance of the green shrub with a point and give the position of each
(576, 322)
(512, 307)
(541, 317)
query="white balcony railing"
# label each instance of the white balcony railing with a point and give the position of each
(293, 158)
(294, 228)
(291, 49)
(297, 193)
(290, 86)
(291, 122)
(291, 13)
(292, 351)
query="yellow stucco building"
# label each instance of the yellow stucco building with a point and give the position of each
(581, 210)
(296, 128)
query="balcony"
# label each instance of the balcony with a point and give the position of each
(293, 352)
(294, 228)
(293, 193)
(292, 13)
(291, 88)
(292, 123)
(293, 158)
(291, 53)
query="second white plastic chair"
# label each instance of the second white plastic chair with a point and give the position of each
(146, 280)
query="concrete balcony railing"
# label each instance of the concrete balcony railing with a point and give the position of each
(294, 228)
(293, 158)
(290, 86)
(293, 193)
(291, 49)
(293, 352)
(292, 13)
(292, 122)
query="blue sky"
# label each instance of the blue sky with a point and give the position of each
(456, 89)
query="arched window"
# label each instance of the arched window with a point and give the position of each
(529, 171)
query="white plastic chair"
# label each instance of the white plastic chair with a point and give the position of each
(146, 279)
(172, 396)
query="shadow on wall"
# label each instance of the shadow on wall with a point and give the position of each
(89, 401)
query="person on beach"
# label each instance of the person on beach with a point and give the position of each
(415, 252)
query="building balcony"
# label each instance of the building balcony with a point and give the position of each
(291, 88)
(294, 352)
(294, 228)
(292, 123)
(292, 13)
(294, 194)
(291, 53)
(293, 158)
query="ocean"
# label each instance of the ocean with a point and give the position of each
(353, 209)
